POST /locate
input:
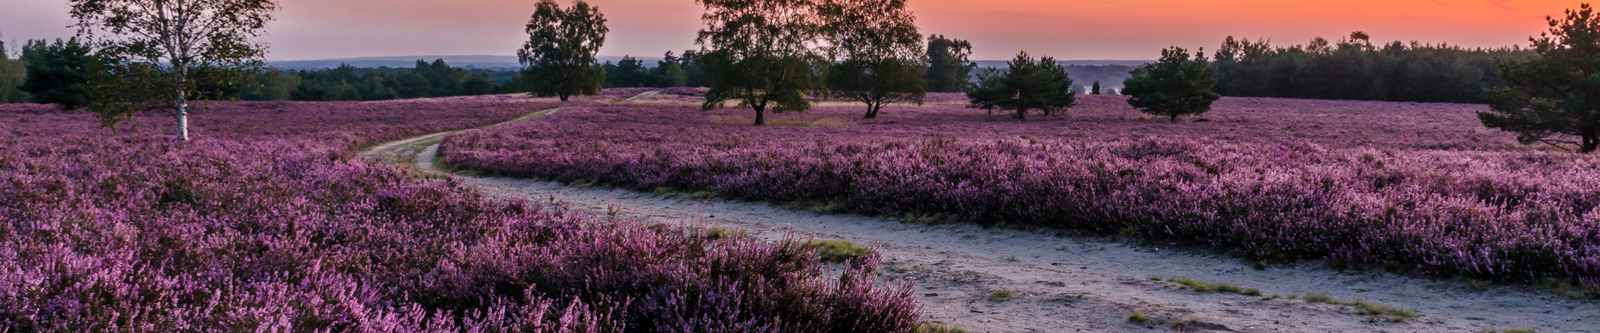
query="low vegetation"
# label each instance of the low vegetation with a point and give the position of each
(1000, 295)
(1138, 317)
(1378, 311)
(840, 251)
(1313, 179)
(266, 222)
(937, 328)
(1207, 287)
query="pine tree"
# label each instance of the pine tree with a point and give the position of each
(1174, 86)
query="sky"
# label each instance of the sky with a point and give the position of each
(998, 29)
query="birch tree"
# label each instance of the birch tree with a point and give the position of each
(163, 54)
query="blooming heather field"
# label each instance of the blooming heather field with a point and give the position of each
(1417, 187)
(268, 223)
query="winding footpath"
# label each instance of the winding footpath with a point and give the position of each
(1072, 284)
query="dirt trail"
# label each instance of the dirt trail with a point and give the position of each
(1071, 284)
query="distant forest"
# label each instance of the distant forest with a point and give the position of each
(1353, 68)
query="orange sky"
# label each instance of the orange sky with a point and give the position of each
(1067, 29)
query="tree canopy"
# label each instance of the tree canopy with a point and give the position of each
(880, 57)
(165, 53)
(12, 75)
(1027, 84)
(1553, 98)
(1355, 68)
(1175, 86)
(57, 73)
(561, 48)
(762, 53)
(949, 70)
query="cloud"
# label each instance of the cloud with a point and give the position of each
(1503, 4)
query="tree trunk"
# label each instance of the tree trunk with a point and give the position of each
(564, 96)
(761, 116)
(183, 117)
(872, 110)
(1022, 113)
(1174, 118)
(1591, 142)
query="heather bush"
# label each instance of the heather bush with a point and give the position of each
(1377, 195)
(269, 224)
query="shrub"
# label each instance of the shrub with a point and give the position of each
(271, 225)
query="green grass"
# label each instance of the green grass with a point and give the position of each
(725, 233)
(821, 207)
(1207, 287)
(1138, 317)
(838, 251)
(936, 328)
(1000, 295)
(1387, 313)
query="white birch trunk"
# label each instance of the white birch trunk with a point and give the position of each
(183, 117)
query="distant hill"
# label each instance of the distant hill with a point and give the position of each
(467, 61)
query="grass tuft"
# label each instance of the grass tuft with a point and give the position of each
(936, 328)
(838, 251)
(725, 233)
(1138, 317)
(1000, 295)
(1387, 313)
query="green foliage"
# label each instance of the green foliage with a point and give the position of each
(1355, 68)
(1138, 317)
(936, 328)
(1553, 98)
(12, 74)
(1174, 86)
(881, 55)
(948, 68)
(166, 53)
(838, 251)
(1207, 287)
(561, 48)
(1026, 85)
(346, 83)
(1000, 295)
(57, 73)
(761, 54)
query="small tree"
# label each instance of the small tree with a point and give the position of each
(57, 73)
(948, 68)
(881, 53)
(560, 53)
(1174, 86)
(1026, 85)
(166, 53)
(760, 53)
(1553, 98)
(1096, 89)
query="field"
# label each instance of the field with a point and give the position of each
(270, 223)
(1415, 187)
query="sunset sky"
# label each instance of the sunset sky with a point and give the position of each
(1066, 29)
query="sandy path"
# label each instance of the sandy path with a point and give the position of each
(1069, 284)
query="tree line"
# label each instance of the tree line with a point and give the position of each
(1353, 68)
(778, 55)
